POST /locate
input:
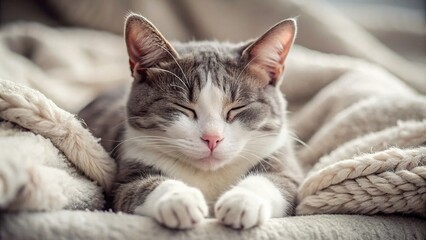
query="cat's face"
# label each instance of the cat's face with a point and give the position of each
(207, 104)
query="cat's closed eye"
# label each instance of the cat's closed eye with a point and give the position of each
(188, 111)
(234, 111)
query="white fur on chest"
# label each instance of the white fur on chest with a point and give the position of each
(211, 183)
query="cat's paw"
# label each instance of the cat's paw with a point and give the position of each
(242, 209)
(181, 209)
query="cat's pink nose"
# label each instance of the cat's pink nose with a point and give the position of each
(211, 140)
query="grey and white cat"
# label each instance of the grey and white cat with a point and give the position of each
(205, 126)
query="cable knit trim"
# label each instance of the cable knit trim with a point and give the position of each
(391, 181)
(32, 110)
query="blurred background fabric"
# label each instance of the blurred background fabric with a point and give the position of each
(391, 33)
(400, 24)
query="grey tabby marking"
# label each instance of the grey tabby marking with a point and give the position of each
(152, 110)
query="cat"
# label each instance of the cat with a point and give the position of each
(205, 129)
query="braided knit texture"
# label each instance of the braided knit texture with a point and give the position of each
(33, 111)
(365, 150)
(391, 181)
(381, 172)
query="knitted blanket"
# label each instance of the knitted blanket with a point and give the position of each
(363, 135)
(48, 161)
(362, 130)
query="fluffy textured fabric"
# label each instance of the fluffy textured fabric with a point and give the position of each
(35, 175)
(105, 225)
(53, 162)
(367, 145)
(363, 129)
(33, 111)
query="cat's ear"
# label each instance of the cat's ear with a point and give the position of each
(146, 46)
(266, 55)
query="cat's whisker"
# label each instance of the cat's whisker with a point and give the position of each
(143, 144)
(181, 158)
(301, 142)
(170, 151)
(262, 160)
(140, 138)
(249, 160)
(124, 121)
(273, 158)
(167, 71)
(148, 139)
(255, 143)
(264, 135)
(247, 64)
(154, 137)
(295, 138)
(171, 55)
(160, 143)
(155, 144)
(259, 162)
(119, 144)
(166, 155)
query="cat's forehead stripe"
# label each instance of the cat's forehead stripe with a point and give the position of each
(211, 67)
(210, 108)
(211, 97)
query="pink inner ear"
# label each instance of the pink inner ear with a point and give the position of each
(279, 67)
(133, 48)
(136, 39)
(270, 51)
(146, 46)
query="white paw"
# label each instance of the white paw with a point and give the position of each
(181, 209)
(242, 209)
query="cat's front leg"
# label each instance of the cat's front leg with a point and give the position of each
(173, 204)
(250, 203)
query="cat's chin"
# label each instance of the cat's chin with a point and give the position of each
(209, 163)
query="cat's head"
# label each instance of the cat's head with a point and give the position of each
(207, 103)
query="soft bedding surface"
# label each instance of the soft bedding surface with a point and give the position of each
(105, 225)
